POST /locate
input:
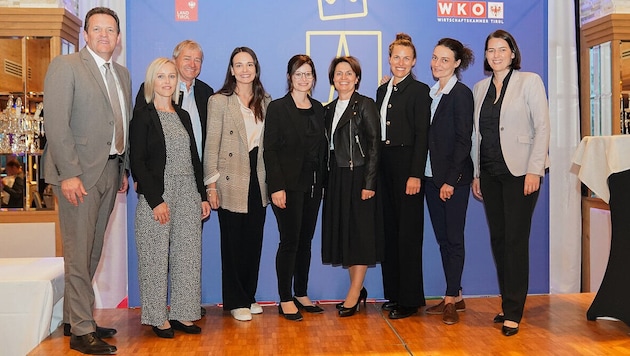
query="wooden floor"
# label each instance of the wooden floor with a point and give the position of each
(553, 325)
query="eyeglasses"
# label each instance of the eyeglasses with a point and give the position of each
(299, 75)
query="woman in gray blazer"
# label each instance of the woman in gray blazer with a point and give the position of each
(509, 151)
(234, 174)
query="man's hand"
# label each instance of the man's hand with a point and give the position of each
(73, 190)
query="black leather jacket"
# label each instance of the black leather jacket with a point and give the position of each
(357, 136)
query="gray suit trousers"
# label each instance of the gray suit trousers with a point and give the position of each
(83, 231)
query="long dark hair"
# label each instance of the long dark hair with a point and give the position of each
(229, 85)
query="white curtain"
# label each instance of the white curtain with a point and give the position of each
(110, 280)
(565, 220)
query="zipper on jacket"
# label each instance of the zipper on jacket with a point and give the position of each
(356, 137)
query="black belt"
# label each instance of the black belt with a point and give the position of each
(114, 156)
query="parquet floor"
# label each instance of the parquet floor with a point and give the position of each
(553, 325)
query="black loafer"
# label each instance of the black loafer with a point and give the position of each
(203, 311)
(498, 319)
(402, 312)
(508, 331)
(164, 333)
(91, 344)
(188, 329)
(101, 332)
(389, 306)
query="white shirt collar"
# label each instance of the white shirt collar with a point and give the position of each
(447, 88)
(99, 61)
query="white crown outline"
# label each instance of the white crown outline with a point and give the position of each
(324, 17)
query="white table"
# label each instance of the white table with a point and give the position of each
(31, 302)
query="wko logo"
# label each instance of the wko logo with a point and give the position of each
(470, 11)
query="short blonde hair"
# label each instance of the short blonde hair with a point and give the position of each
(149, 79)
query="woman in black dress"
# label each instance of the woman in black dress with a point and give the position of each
(295, 152)
(350, 229)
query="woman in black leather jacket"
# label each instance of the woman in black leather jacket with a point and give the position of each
(350, 227)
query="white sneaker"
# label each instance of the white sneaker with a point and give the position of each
(255, 308)
(241, 314)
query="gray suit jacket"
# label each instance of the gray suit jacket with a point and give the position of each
(227, 153)
(523, 126)
(79, 118)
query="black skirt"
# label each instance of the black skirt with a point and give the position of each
(351, 227)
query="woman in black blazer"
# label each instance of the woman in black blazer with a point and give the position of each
(449, 168)
(295, 151)
(172, 201)
(351, 234)
(405, 108)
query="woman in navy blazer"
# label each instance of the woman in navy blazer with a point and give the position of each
(510, 155)
(295, 152)
(449, 168)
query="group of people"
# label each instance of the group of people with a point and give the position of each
(372, 163)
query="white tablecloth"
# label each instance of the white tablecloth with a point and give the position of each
(598, 158)
(31, 302)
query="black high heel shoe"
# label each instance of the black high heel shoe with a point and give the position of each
(363, 295)
(308, 308)
(343, 312)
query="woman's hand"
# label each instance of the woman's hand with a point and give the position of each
(162, 213)
(446, 192)
(205, 209)
(385, 79)
(367, 194)
(532, 183)
(413, 186)
(213, 196)
(279, 199)
(476, 189)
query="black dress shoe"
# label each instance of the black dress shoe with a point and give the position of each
(102, 333)
(91, 344)
(164, 333)
(508, 331)
(203, 311)
(308, 308)
(499, 318)
(188, 329)
(389, 306)
(402, 312)
(293, 317)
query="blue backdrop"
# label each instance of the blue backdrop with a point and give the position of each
(276, 30)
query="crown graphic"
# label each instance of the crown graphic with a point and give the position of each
(341, 9)
(192, 4)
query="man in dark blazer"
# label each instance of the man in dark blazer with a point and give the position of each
(88, 107)
(193, 93)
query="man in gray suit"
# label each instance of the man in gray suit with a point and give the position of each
(88, 108)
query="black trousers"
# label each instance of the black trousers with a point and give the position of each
(509, 213)
(404, 223)
(449, 219)
(296, 224)
(241, 246)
